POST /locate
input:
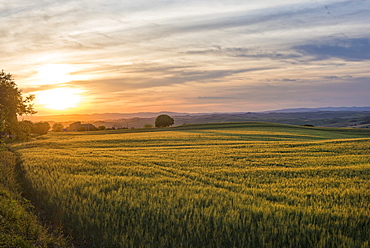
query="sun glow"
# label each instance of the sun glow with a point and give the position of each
(59, 98)
(49, 74)
(54, 74)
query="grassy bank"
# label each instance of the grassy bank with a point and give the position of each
(19, 226)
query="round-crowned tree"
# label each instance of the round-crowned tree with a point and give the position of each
(164, 121)
(12, 104)
(40, 128)
(57, 127)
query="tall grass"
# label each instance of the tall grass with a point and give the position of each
(19, 226)
(217, 185)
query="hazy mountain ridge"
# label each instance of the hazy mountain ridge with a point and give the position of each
(115, 116)
(295, 110)
(336, 117)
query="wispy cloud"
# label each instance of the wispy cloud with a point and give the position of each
(345, 77)
(345, 48)
(253, 52)
(186, 53)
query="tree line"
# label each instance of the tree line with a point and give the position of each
(14, 104)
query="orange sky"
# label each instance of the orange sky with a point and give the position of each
(187, 56)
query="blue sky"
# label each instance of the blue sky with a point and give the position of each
(189, 56)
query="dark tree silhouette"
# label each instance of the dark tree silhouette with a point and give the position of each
(102, 127)
(74, 126)
(77, 126)
(25, 128)
(40, 128)
(87, 127)
(12, 104)
(57, 127)
(164, 121)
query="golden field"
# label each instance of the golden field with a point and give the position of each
(210, 185)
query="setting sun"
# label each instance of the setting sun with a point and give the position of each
(59, 98)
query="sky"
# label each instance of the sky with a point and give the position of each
(195, 56)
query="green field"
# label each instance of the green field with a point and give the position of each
(19, 226)
(212, 185)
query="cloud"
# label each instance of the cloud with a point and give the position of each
(243, 52)
(289, 80)
(202, 76)
(355, 92)
(214, 97)
(156, 77)
(356, 49)
(40, 88)
(345, 77)
(176, 50)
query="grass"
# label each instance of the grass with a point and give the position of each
(211, 185)
(19, 226)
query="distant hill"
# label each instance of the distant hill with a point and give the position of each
(328, 117)
(97, 117)
(304, 110)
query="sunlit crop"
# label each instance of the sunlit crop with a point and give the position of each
(218, 185)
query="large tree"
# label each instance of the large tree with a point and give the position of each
(12, 104)
(57, 127)
(164, 121)
(40, 128)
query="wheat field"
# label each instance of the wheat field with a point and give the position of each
(210, 185)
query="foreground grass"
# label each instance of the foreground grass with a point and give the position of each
(19, 227)
(217, 185)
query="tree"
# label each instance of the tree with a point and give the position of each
(164, 121)
(77, 126)
(74, 126)
(87, 127)
(57, 127)
(12, 104)
(148, 126)
(25, 128)
(40, 128)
